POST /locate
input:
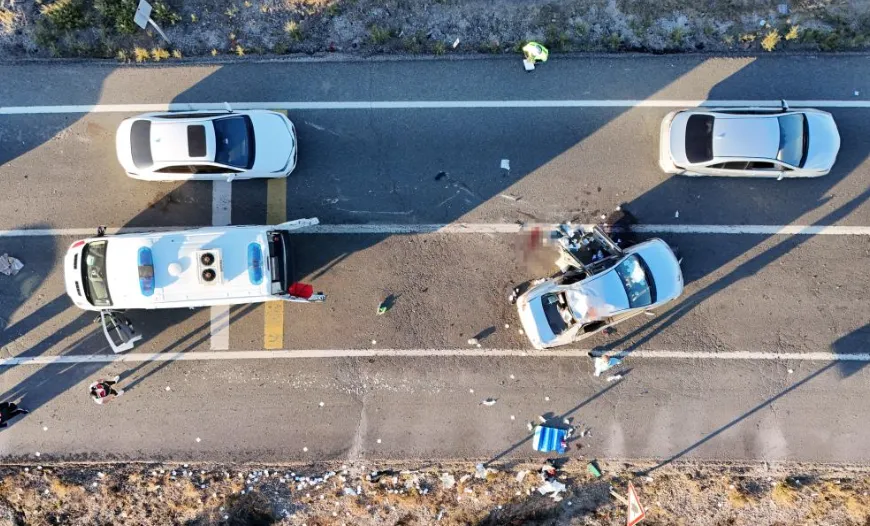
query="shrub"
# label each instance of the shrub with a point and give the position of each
(141, 54)
(379, 35)
(792, 33)
(293, 30)
(65, 14)
(770, 40)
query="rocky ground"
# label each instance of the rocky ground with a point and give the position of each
(682, 494)
(105, 28)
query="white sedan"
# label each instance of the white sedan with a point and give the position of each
(207, 145)
(601, 285)
(753, 142)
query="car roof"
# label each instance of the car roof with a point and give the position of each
(182, 140)
(755, 136)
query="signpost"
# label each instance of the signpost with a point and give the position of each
(636, 513)
(143, 18)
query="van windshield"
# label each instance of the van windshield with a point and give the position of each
(94, 274)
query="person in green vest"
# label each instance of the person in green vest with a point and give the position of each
(534, 53)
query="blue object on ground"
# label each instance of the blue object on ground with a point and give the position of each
(549, 439)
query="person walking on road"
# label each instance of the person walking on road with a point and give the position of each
(9, 410)
(102, 390)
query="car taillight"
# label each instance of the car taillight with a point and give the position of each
(77, 244)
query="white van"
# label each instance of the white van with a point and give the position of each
(188, 268)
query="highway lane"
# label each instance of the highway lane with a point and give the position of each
(744, 293)
(383, 166)
(377, 409)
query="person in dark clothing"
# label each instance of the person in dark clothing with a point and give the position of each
(102, 390)
(9, 410)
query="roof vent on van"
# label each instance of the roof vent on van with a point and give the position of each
(209, 266)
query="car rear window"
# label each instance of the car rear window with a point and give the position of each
(699, 138)
(196, 140)
(235, 141)
(140, 144)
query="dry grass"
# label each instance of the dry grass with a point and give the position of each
(141, 54)
(792, 33)
(783, 494)
(7, 20)
(158, 54)
(770, 40)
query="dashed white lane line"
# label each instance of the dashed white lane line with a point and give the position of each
(486, 228)
(221, 215)
(286, 354)
(423, 104)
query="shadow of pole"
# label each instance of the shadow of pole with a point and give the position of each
(739, 419)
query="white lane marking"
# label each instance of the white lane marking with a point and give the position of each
(482, 228)
(221, 215)
(423, 104)
(357, 353)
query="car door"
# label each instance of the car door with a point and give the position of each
(211, 172)
(119, 331)
(764, 169)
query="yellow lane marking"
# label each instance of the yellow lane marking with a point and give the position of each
(276, 212)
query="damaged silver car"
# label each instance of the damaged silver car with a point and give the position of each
(598, 286)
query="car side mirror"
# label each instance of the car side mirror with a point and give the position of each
(783, 104)
(228, 107)
(780, 175)
(230, 177)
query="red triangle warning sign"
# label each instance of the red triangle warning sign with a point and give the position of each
(636, 513)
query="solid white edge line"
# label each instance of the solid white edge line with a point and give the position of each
(481, 228)
(417, 104)
(423, 353)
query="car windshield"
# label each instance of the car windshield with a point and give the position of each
(234, 138)
(699, 138)
(556, 310)
(94, 274)
(636, 279)
(792, 139)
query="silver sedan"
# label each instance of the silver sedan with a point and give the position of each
(749, 142)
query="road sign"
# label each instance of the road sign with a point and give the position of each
(143, 13)
(142, 18)
(636, 513)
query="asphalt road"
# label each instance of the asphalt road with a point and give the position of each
(745, 293)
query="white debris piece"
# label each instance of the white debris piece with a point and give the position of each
(374, 342)
(456, 43)
(481, 472)
(198, 439)
(45, 428)
(349, 492)
(521, 332)
(168, 388)
(471, 391)
(790, 371)
(464, 478)
(37, 453)
(489, 402)
(546, 398)
(512, 377)
(321, 404)
(507, 325)
(566, 421)
(10, 265)
(857, 93)
(614, 378)
(379, 441)
(553, 487)
(505, 164)
(472, 341)
(305, 449)
(603, 363)
(530, 426)
(522, 474)
(513, 417)
(542, 419)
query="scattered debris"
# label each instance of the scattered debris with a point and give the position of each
(349, 492)
(505, 164)
(614, 378)
(448, 480)
(482, 472)
(522, 474)
(9, 265)
(791, 371)
(509, 198)
(489, 402)
(321, 404)
(456, 43)
(553, 487)
(677, 213)
(593, 469)
(604, 363)
(534, 53)
(542, 419)
(387, 304)
(530, 426)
